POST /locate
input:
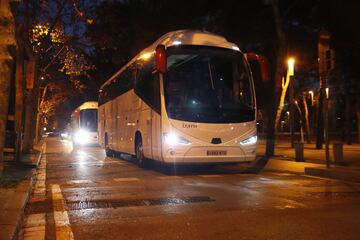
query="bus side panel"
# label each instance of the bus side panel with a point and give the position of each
(144, 126)
(101, 122)
(107, 123)
(133, 108)
(113, 125)
(121, 123)
(156, 135)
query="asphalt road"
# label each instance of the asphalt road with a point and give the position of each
(81, 194)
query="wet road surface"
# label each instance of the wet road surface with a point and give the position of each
(82, 194)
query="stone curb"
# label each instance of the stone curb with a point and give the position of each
(339, 173)
(26, 199)
(22, 210)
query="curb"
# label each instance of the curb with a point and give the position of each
(26, 199)
(289, 166)
(19, 221)
(339, 173)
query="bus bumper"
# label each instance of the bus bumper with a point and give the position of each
(209, 155)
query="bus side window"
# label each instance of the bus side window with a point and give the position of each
(147, 86)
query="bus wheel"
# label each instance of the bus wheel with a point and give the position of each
(140, 158)
(107, 149)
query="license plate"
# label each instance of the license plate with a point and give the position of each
(216, 153)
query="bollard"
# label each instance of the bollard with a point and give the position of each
(299, 151)
(338, 153)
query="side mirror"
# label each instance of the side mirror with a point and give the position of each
(263, 63)
(160, 59)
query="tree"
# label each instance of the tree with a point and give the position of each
(7, 39)
(55, 31)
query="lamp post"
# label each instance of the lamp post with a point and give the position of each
(291, 64)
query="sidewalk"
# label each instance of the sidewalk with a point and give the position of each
(15, 188)
(314, 164)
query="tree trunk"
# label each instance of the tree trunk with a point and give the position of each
(280, 108)
(30, 119)
(273, 100)
(306, 119)
(320, 121)
(348, 113)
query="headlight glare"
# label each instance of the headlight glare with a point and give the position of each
(173, 139)
(82, 137)
(249, 141)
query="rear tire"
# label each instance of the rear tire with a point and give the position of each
(107, 149)
(140, 158)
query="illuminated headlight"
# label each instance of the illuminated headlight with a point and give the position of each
(82, 137)
(64, 135)
(172, 139)
(249, 141)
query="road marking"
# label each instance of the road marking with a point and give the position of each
(39, 191)
(34, 227)
(79, 181)
(211, 176)
(130, 179)
(170, 177)
(61, 217)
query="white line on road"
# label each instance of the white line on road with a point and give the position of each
(211, 176)
(61, 217)
(130, 179)
(79, 181)
(170, 177)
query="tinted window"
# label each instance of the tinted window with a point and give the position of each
(147, 85)
(118, 86)
(207, 84)
(88, 119)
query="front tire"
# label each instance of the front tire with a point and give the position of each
(258, 165)
(140, 158)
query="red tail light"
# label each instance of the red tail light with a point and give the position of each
(160, 59)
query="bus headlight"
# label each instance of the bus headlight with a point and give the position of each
(172, 139)
(82, 137)
(249, 141)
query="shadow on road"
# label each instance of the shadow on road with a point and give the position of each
(199, 169)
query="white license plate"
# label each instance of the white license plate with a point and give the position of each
(216, 153)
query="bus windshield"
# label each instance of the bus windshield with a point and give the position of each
(208, 85)
(88, 120)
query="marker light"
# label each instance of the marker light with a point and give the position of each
(82, 137)
(249, 141)
(172, 139)
(235, 48)
(176, 43)
(146, 56)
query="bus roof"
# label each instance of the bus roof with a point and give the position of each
(87, 105)
(185, 37)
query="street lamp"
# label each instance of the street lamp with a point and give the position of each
(290, 73)
(327, 92)
(291, 64)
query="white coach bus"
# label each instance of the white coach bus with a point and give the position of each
(186, 99)
(84, 124)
